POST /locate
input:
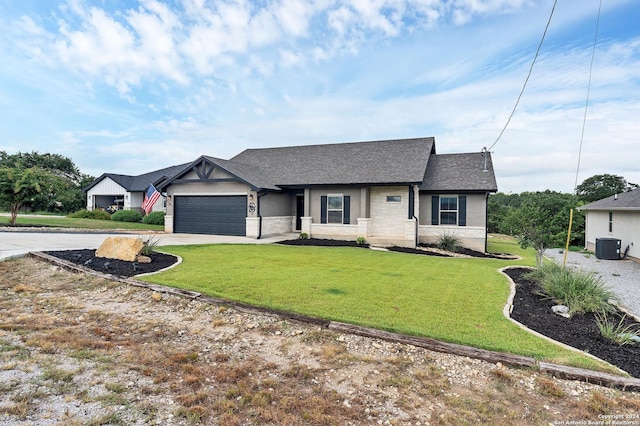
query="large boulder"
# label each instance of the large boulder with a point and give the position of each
(122, 248)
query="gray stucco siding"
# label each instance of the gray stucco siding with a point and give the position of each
(475, 214)
(315, 195)
(277, 204)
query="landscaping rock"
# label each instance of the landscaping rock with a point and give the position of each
(561, 310)
(121, 248)
(143, 259)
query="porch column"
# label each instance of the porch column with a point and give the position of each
(306, 224)
(364, 203)
(364, 223)
(307, 204)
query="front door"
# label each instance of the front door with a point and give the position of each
(299, 211)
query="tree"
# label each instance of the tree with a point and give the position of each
(602, 186)
(18, 186)
(62, 190)
(542, 219)
(498, 207)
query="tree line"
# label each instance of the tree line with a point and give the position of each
(541, 219)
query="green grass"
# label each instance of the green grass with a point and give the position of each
(66, 222)
(450, 299)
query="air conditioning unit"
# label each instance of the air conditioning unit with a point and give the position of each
(608, 248)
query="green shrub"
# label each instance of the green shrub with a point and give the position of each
(154, 218)
(303, 236)
(126, 216)
(361, 241)
(619, 333)
(448, 242)
(93, 214)
(579, 290)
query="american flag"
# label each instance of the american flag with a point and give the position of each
(150, 198)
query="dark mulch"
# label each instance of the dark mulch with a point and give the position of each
(322, 243)
(114, 266)
(460, 250)
(345, 243)
(580, 331)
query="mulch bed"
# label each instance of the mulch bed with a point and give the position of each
(460, 250)
(322, 243)
(580, 331)
(529, 308)
(346, 243)
(117, 267)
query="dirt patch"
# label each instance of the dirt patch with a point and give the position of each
(76, 350)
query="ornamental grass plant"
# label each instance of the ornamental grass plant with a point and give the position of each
(618, 332)
(580, 291)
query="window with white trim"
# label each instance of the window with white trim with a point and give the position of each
(610, 221)
(335, 207)
(448, 210)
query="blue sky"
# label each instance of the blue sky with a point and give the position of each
(132, 86)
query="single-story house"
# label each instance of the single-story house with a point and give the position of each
(393, 192)
(113, 192)
(615, 217)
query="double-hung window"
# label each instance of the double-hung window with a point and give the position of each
(448, 210)
(335, 208)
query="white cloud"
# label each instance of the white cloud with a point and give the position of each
(214, 77)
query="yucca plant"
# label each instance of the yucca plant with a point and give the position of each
(448, 242)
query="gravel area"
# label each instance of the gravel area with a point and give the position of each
(623, 276)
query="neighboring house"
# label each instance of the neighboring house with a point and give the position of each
(615, 217)
(393, 192)
(122, 192)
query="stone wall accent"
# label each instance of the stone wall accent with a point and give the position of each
(277, 225)
(122, 248)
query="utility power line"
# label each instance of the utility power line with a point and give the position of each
(528, 75)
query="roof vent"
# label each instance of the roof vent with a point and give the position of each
(484, 157)
(615, 197)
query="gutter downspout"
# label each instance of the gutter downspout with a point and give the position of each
(259, 215)
(486, 223)
(412, 214)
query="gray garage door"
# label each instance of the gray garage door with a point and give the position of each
(219, 215)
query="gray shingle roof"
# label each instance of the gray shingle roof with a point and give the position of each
(625, 201)
(377, 162)
(399, 161)
(140, 182)
(460, 172)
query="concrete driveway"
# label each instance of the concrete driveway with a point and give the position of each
(22, 242)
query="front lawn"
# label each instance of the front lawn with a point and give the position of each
(67, 222)
(449, 299)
